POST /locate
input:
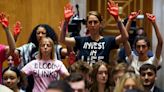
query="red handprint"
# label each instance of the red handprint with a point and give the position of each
(133, 15)
(17, 28)
(113, 9)
(4, 20)
(151, 17)
(68, 12)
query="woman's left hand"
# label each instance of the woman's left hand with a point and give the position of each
(151, 17)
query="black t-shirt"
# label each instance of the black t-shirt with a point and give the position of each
(92, 51)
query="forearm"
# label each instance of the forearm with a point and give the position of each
(160, 41)
(124, 33)
(128, 24)
(159, 37)
(63, 32)
(10, 40)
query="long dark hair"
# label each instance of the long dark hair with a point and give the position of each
(49, 33)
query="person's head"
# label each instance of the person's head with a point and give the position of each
(59, 86)
(128, 81)
(84, 68)
(46, 48)
(140, 32)
(148, 74)
(141, 45)
(100, 75)
(94, 21)
(118, 71)
(77, 82)
(12, 78)
(40, 31)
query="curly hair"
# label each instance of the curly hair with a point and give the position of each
(49, 33)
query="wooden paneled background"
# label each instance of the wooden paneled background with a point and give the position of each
(30, 13)
(125, 8)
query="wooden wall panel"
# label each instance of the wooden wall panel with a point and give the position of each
(31, 13)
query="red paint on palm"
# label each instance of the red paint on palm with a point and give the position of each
(17, 28)
(112, 9)
(4, 20)
(133, 15)
(151, 17)
(68, 12)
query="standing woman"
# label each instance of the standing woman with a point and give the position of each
(94, 47)
(46, 68)
(100, 77)
(13, 78)
(29, 51)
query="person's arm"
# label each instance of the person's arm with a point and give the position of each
(158, 51)
(126, 44)
(63, 71)
(5, 23)
(131, 17)
(128, 51)
(113, 10)
(68, 13)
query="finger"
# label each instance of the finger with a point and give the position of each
(139, 11)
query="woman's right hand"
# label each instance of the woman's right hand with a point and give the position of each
(68, 12)
(4, 20)
(133, 15)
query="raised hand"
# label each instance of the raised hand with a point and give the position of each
(68, 12)
(151, 17)
(17, 28)
(4, 20)
(133, 15)
(113, 9)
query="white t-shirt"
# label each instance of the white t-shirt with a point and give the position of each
(136, 64)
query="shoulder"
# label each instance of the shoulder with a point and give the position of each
(28, 45)
(156, 89)
(4, 88)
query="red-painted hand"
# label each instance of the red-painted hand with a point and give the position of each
(151, 17)
(68, 12)
(112, 9)
(133, 15)
(4, 20)
(17, 28)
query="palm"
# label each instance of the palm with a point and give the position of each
(151, 17)
(68, 12)
(113, 9)
(3, 20)
(17, 28)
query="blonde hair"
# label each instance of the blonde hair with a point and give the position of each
(129, 75)
(51, 43)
